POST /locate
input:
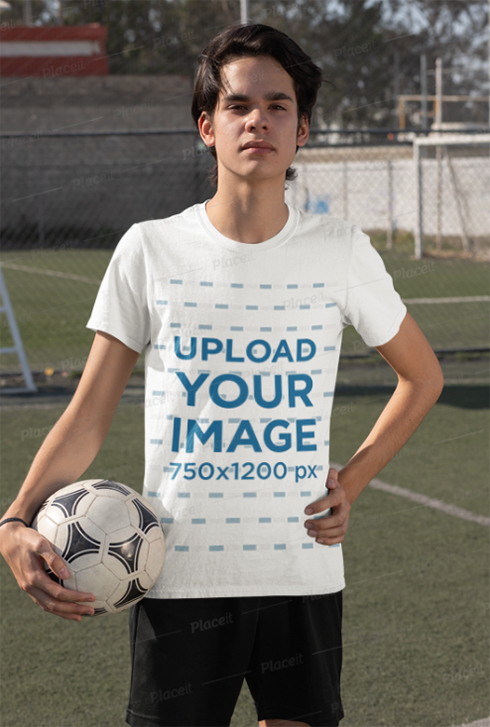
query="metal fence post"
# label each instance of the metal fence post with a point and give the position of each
(389, 237)
(418, 233)
(345, 192)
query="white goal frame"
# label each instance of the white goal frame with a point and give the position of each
(442, 140)
(18, 347)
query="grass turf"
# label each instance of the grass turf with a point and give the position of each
(415, 606)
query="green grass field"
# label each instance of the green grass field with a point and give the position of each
(416, 605)
(52, 311)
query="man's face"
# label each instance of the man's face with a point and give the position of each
(257, 104)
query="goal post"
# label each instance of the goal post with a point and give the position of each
(18, 347)
(459, 198)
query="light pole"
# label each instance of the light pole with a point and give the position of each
(244, 16)
(423, 88)
(438, 114)
(27, 12)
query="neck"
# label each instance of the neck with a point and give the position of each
(249, 213)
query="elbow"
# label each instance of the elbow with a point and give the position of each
(437, 391)
(438, 381)
(428, 386)
(434, 383)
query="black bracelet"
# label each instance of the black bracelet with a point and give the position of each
(13, 520)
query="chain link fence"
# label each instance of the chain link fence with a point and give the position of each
(68, 198)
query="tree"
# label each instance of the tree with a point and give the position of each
(455, 31)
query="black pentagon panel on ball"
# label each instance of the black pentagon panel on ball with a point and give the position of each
(68, 503)
(78, 543)
(110, 485)
(134, 592)
(147, 519)
(127, 552)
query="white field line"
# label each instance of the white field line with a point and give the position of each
(51, 273)
(485, 722)
(427, 501)
(467, 299)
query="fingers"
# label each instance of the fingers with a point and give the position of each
(58, 592)
(335, 496)
(330, 529)
(64, 608)
(331, 532)
(54, 562)
(49, 595)
(57, 565)
(56, 599)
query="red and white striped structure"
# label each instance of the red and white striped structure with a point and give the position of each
(53, 50)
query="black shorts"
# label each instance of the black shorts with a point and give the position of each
(190, 656)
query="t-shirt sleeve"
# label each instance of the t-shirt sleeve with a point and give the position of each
(121, 306)
(372, 304)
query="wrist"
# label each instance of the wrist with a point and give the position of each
(7, 522)
(20, 509)
(9, 532)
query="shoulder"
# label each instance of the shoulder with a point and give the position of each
(149, 228)
(148, 238)
(331, 236)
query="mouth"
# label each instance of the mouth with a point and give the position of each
(258, 147)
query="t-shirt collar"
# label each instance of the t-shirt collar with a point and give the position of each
(227, 242)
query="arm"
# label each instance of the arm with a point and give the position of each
(70, 447)
(420, 383)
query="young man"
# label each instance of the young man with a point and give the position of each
(239, 304)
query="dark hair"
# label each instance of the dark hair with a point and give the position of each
(246, 41)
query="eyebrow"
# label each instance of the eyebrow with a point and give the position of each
(271, 96)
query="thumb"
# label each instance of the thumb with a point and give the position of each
(332, 478)
(53, 561)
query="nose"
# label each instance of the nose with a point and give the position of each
(257, 119)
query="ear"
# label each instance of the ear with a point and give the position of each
(303, 131)
(206, 129)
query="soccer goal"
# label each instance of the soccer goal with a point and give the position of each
(452, 183)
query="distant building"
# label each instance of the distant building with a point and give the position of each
(53, 51)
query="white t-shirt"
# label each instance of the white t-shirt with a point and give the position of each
(242, 346)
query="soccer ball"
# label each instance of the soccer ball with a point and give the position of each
(110, 539)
